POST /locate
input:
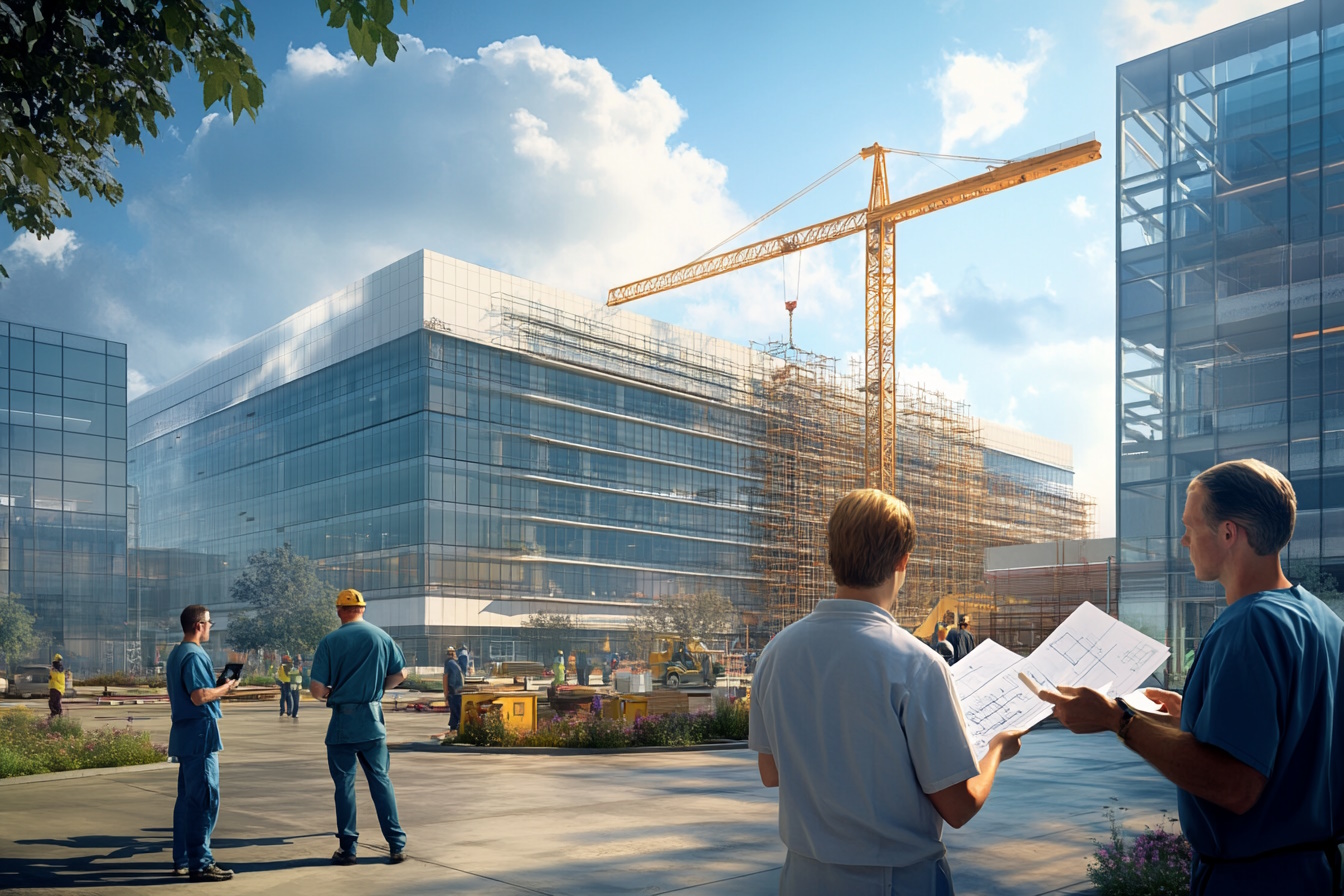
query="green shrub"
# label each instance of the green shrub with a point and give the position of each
(257, 681)
(122, 680)
(488, 732)
(728, 719)
(33, 746)
(420, 683)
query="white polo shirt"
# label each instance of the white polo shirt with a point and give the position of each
(862, 721)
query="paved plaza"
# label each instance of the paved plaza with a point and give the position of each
(697, 823)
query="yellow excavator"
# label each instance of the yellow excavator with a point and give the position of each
(673, 659)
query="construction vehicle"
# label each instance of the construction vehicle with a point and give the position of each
(946, 611)
(673, 659)
(878, 222)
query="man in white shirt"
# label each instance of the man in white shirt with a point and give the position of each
(857, 723)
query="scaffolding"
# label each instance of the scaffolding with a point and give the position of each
(811, 457)
(1029, 603)
(962, 502)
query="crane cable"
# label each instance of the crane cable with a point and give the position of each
(927, 156)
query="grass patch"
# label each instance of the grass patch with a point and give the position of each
(123, 680)
(33, 746)
(727, 720)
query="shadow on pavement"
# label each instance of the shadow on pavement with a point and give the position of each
(154, 844)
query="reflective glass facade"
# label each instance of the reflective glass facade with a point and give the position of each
(63, 492)
(1230, 243)
(464, 447)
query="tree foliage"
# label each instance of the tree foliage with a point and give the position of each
(701, 615)
(75, 75)
(17, 635)
(293, 608)
(553, 631)
(1319, 582)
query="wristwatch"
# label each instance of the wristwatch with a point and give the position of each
(1123, 731)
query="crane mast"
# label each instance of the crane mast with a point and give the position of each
(879, 222)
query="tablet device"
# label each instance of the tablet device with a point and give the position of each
(231, 671)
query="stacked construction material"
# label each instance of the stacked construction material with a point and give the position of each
(665, 701)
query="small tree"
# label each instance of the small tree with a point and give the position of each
(553, 631)
(17, 635)
(294, 609)
(686, 616)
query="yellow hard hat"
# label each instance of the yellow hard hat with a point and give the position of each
(350, 598)
(56, 658)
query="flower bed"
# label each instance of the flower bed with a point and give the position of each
(726, 721)
(32, 746)
(1157, 863)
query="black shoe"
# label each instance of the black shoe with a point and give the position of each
(341, 857)
(213, 872)
(396, 858)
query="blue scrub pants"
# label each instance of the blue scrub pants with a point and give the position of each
(196, 810)
(454, 711)
(372, 755)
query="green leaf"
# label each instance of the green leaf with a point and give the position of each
(391, 44)
(213, 89)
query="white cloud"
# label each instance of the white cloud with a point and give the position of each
(316, 61)
(203, 129)
(530, 142)
(1139, 27)
(920, 301)
(932, 378)
(1080, 208)
(1097, 252)
(56, 249)
(136, 384)
(983, 96)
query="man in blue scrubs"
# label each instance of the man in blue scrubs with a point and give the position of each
(351, 669)
(194, 741)
(1255, 745)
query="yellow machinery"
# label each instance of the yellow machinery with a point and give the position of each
(674, 660)
(633, 706)
(948, 608)
(879, 222)
(517, 708)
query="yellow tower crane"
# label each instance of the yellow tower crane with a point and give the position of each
(879, 221)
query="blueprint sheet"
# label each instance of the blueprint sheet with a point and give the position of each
(1090, 649)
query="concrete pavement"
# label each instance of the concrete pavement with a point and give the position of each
(695, 823)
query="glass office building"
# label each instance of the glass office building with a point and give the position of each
(63, 493)
(1230, 248)
(466, 448)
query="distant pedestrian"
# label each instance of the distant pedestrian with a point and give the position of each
(194, 741)
(961, 639)
(352, 668)
(581, 667)
(282, 677)
(295, 686)
(56, 685)
(558, 669)
(453, 682)
(464, 660)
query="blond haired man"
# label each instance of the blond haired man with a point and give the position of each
(856, 722)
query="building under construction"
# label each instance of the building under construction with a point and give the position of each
(1034, 587)
(971, 485)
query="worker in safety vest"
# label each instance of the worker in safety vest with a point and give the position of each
(56, 684)
(286, 692)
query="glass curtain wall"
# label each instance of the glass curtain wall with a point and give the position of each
(63, 493)
(432, 465)
(1230, 240)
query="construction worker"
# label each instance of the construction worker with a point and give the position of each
(352, 668)
(295, 686)
(56, 685)
(453, 682)
(558, 669)
(282, 677)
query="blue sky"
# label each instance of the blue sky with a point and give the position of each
(587, 145)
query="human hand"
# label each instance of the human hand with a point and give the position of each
(1170, 701)
(231, 684)
(1008, 743)
(1083, 710)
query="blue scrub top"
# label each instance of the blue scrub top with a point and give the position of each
(195, 730)
(354, 661)
(1265, 689)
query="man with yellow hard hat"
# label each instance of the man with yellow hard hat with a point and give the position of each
(351, 669)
